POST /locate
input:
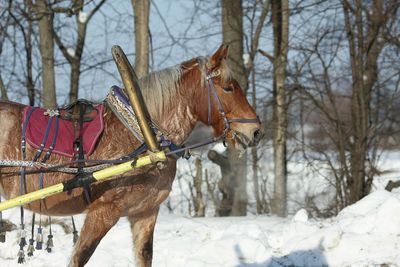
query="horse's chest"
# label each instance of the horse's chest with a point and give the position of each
(148, 190)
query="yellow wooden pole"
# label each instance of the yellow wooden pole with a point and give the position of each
(90, 178)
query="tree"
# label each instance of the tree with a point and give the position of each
(365, 25)
(74, 56)
(141, 17)
(349, 102)
(254, 36)
(232, 32)
(280, 22)
(46, 45)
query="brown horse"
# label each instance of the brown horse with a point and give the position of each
(177, 99)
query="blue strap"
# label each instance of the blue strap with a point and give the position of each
(44, 140)
(53, 142)
(50, 150)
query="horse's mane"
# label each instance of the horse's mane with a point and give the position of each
(160, 88)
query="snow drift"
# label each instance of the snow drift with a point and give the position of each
(364, 234)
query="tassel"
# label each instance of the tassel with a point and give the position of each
(2, 236)
(49, 243)
(76, 236)
(2, 230)
(22, 242)
(21, 256)
(39, 239)
(30, 249)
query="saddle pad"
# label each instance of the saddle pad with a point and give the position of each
(37, 124)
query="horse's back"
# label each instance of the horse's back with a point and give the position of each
(10, 130)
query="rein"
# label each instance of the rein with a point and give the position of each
(45, 167)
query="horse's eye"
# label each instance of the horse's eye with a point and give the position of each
(228, 89)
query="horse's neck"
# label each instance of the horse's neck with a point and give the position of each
(178, 123)
(179, 116)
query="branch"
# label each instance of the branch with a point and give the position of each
(95, 9)
(3, 90)
(217, 158)
(62, 48)
(259, 27)
(267, 55)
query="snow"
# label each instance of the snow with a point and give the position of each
(246, 59)
(82, 17)
(71, 51)
(366, 233)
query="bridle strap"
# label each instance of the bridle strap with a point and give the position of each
(227, 122)
(221, 110)
(256, 120)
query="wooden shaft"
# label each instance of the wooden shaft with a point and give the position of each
(89, 178)
(132, 87)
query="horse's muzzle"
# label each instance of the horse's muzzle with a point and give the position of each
(248, 140)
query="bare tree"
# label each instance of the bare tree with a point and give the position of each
(348, 102)
(196, 190)
(225, 185)
(280, 21)
(46, 45)
(365, 25)
(74, 55)
(252, 46)
(232, 32)
(141, 16)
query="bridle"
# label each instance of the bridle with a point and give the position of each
(221, 111)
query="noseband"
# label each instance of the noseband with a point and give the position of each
(227, 121)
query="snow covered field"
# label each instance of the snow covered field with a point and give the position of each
(364, 234)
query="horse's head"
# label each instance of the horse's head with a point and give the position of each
(227, 109)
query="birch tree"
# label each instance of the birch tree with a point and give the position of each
(280, 24)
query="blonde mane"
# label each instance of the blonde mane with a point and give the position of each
(159, 88)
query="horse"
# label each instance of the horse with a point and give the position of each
(176, 99)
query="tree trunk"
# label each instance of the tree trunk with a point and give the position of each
(232, 29)
(29, 79)
(3, 90)
(76, 59)
(365, 48)
(198, 198)
(225, 184)
(280, 21)
(46, 46)
(141, 18)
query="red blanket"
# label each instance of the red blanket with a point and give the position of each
(37, 125)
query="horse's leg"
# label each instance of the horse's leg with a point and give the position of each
(142, 232)
(98, 222)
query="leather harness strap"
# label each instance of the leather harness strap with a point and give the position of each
(227, 121)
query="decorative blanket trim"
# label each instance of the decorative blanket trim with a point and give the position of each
(119, 104)
(118, 101)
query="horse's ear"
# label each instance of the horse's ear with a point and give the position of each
(219, 55)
